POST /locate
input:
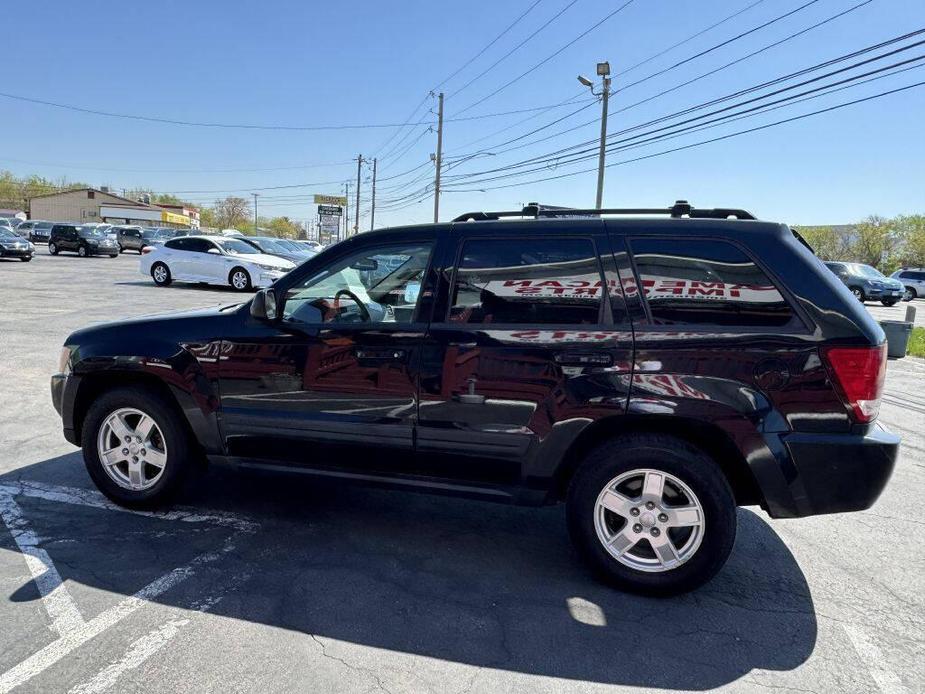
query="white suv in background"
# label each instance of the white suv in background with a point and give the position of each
(913, 280)
(213, 260)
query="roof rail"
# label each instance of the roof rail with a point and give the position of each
(681, 208)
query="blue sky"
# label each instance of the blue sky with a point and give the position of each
(307, 64)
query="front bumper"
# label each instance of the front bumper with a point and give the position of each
(63, 388)
(16, 252)
(839, 472)
(266, 278)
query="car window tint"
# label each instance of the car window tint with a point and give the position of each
(707, 283)
(530, 280)
(372, 285)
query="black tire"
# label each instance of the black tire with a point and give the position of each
(83, 251)
(26, 260)
(154, 273)
(53, 248)
(858, 294)
(113, 255)
(176, 437)
(693, 467)
(246, 286)
(889, 302)
(910, 294)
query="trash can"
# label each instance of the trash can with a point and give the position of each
(897, 337)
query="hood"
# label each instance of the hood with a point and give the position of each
(173, 325)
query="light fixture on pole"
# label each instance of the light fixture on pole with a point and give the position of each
(603, 70)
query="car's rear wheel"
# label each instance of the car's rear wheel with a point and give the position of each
(135, 447)
(239, 279)
(858, 294)
(82, 251)
(160, 273)
(652, 514)
(53, 248)
(26, 260)
(889, 302)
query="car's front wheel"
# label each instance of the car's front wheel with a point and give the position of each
(26, 259)
(909, 294)
(82, 251)
(239, 279)
(858, 293)
(889, 302)
(135, 447)
(53, 248)
(160, 273)
(652, 514)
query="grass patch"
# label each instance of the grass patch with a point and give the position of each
(917, 343)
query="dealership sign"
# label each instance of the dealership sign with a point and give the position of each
(331, 200)
(330, 210)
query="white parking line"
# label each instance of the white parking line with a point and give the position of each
(94, 499)
(872, 657)
(58, 603)
(61, 607)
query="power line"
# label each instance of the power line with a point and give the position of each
(688, 39)
(489, 45)
(551, 56)
(513, 50)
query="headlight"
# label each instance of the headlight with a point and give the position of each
(271, 268)
(64, 360)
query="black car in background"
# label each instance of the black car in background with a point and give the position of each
(82, 240)
(652, 374)
(36, 230)
(14, 246)
(868, 283)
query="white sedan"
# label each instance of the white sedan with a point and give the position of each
(213, 260)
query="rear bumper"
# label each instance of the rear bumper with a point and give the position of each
(837, 473)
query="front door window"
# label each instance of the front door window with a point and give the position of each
(373, 285)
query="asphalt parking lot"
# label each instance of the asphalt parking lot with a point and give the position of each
(262, 584)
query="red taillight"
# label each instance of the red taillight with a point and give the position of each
(858, 373)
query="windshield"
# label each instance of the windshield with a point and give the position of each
(271, 245)
(235, 247)
(91, 232)
(866, 271)
(291, 245)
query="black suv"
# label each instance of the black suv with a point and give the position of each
(652, 373)
(82, 240)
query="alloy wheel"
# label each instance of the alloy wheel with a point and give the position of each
(649, 520)
(160, 274)
(132, 449)
(239, 279)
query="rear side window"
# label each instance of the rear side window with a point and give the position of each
(701, 282)
(529, 280)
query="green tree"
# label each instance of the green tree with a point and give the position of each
(231, 213)
(284, 227)
(910, 232)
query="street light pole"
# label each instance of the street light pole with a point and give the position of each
(603, 70)
(256, 195)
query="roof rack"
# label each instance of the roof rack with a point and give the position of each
(681, 208)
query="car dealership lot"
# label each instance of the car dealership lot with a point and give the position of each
(258, 583)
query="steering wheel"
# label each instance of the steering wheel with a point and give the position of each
(364, 312)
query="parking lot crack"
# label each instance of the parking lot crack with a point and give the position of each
(349, 666)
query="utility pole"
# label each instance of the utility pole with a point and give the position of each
(256, 195)
(356, 220)
(372, 214)
(346, 208)
(439, 158)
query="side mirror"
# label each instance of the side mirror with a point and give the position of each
(412, 290)
(263, 307)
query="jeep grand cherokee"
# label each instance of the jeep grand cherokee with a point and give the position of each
(651, 373)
